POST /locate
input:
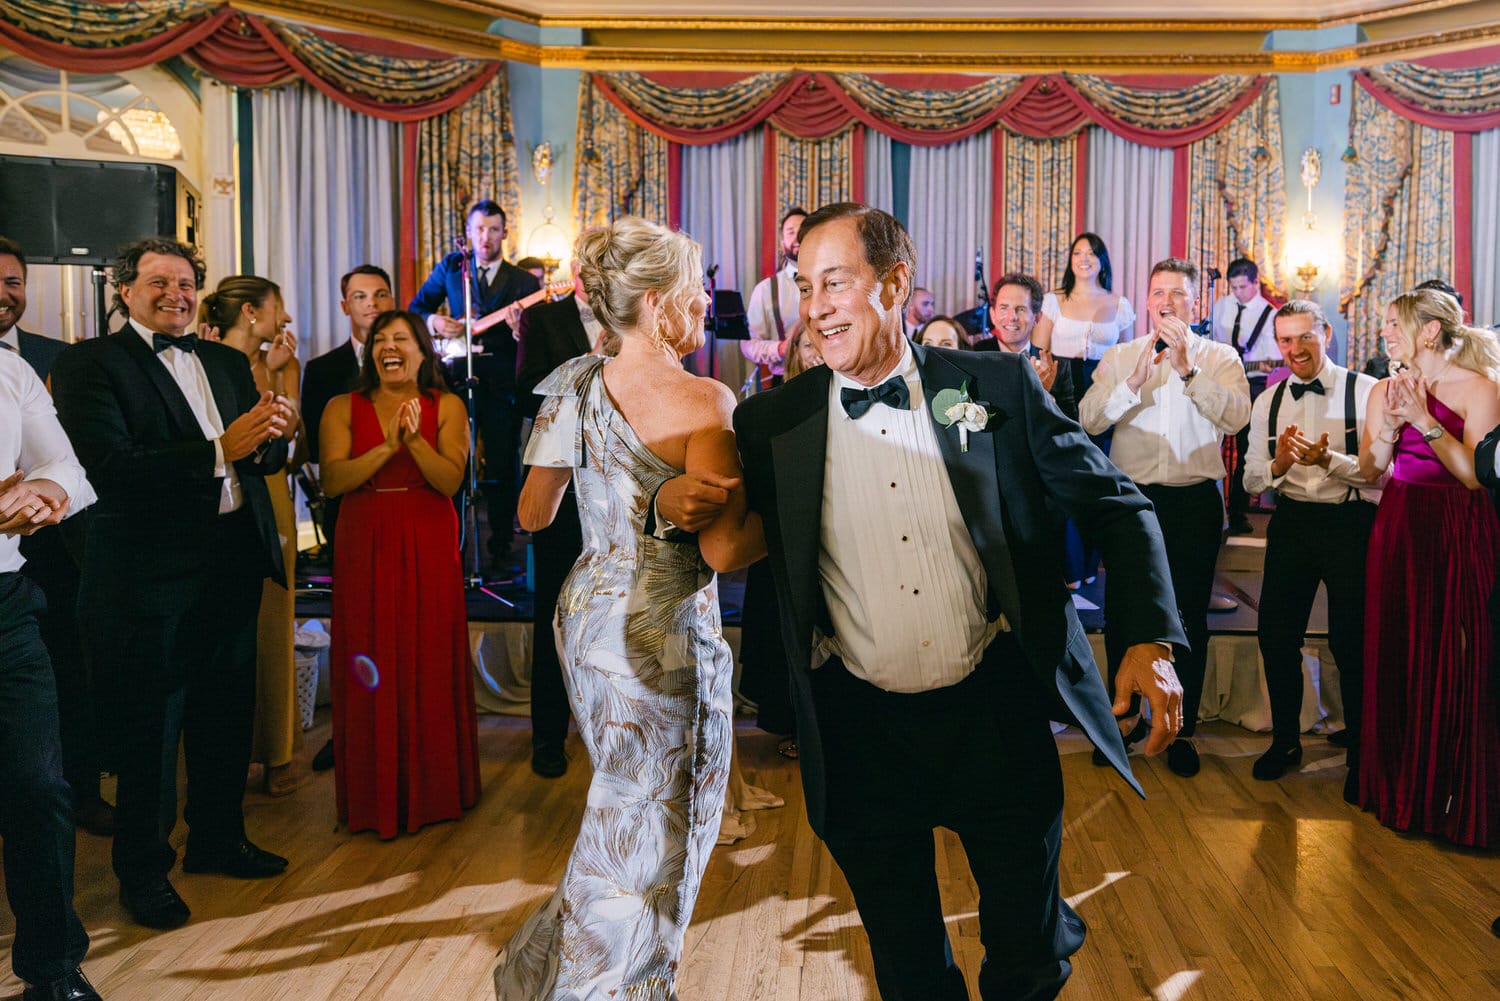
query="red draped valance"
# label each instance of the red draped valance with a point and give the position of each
(391, 81)
(817, 105)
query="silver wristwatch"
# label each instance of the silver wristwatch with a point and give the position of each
(1434, 433)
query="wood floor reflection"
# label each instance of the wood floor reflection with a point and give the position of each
(1216, 889)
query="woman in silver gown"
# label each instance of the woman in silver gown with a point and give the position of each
(644, 658)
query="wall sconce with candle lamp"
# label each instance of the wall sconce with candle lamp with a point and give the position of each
(1307, 249)
(549, 242)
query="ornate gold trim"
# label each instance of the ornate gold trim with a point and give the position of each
(987, 25)
(446, 38)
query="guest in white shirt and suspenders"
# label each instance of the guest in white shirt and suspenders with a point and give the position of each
(1304, 444)
(774, 309)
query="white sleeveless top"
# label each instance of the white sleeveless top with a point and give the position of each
(1082, 339)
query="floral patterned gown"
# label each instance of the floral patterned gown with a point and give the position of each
(648, 675)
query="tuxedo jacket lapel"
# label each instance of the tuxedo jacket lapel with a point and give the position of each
(974, 475)
(156, 373)
(222, 387)
(798, 456)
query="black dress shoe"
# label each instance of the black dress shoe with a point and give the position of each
(74, 987)
(239, 859)
(1182, 758)
(1277, 761)
(153, 902)
(94, 815)
(323, 760)
(549, 762)
(1495, 928)
(1339, 738)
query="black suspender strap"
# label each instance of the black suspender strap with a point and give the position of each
(1259, 326)
(1351, 426)
(1271, 417)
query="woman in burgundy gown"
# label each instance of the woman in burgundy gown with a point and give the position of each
(404, 730)
(1430, 758)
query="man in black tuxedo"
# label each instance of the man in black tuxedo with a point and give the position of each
(1014, 307)
(550, 334)
(54, 569)
(177, 442)
(919, 567)
(496, 285)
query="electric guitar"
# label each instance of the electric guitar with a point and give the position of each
(449, 348)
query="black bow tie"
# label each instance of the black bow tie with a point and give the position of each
(187, 342)
(892, 392)
(1298, 388)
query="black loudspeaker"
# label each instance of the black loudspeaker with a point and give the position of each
(82, 211)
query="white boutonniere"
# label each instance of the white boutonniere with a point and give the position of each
(953, 406)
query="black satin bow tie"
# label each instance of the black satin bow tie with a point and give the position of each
(1298, 388)
(892, 392)
(187, 342)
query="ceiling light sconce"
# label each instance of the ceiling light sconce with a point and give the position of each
(1307, 251)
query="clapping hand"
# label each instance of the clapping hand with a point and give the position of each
(1046, 368)
(282, 350)
(1174, 332)
(410, 419)
(1143, 365)
(1406, 401)
(266, 420)
(27, 505)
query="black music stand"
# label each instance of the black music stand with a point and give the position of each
(726, 321)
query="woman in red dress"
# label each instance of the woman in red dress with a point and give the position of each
(404, 731)
(1428, 760)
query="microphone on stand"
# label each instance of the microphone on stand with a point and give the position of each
(982, 295)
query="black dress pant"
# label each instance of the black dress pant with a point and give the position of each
(50, 564)
(977, 758)
(1192, 526)
(764, 676)
(36, 806)
(499, 427)
(554, 550)
(1239, 501)
(188, 675)
(1308, 544)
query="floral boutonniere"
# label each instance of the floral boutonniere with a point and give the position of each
(953, 406)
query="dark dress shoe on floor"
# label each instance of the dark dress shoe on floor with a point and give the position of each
(153, 902)
(1182, 758)
(549, 762)
(239, 859)
(74, 987)
(1138, 733)
(1277, 761)
(1495, 928)
(1339, 738)
(323, 760)
(94, 815)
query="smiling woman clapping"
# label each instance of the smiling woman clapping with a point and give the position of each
(404, 728)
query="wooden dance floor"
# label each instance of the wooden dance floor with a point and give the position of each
(1216, 888)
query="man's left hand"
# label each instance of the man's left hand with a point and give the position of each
(1175, 332)
(27, 505)
(1147, 671)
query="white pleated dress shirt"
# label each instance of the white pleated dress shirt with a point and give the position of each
(32, 439)
(1265, 348)
(1168, 434)
(187, 371)
(1314, 415)
(903, 582)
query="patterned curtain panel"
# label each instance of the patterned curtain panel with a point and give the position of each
(104, 25)
(931, 110)
(694, 107)
(1158, 109)
(1474, 91)
(1398, 216)
(813, 172)
(621, 168)
(1237, 192)
(1040, 192)
(463, 156)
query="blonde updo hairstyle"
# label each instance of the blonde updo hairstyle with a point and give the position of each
(619, 263)
(1473, 348)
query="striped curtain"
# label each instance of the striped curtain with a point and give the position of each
(463, 156)
(949, 212)
(1039, 212)
(1129, 204)
(1237, 192)
(814, 172)
(621, 168)
(1485, 308)
(1398, 216)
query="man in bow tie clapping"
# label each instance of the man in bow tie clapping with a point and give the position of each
(1304, 444)
(177, 442)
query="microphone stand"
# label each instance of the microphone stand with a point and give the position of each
(469, 528)
(711, 323)
(983, 297)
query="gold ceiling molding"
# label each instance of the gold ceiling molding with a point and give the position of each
(1259, 61)
(987, 25)
(454, 39)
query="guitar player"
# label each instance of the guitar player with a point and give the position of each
(498, 286)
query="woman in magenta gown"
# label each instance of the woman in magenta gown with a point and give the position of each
(405, 734)
(1430, 758)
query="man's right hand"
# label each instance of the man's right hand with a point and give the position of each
(439, 325)
(1143, 365)
(267, 419)
(693, 502)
